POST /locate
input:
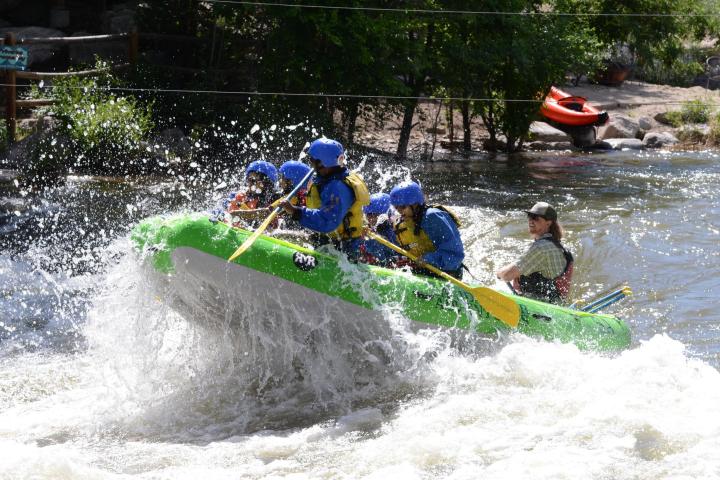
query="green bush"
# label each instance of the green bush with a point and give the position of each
(3, 136)
(692, 111)
(714, 135)
(681, 71)
(101, 130)
(691, 135)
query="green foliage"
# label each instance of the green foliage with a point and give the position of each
(648, 38)
(691, 135)
(692, 111)
(336, 52)
(3, 136)
(681, 72)
(714, 135)
(507, 60)
(101, 130)
(357, 56)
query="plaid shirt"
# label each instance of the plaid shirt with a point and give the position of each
(544, 257)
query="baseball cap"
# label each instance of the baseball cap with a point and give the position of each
(544, 210)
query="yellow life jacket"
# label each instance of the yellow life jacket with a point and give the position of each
(418, 244)
(352, 224)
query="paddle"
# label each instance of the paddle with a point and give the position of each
(497, 305)
(581, 303)
(589, 304)
(263, 226)
(607, 300)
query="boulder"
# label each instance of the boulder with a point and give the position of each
(693, 134)
(661, 117)
(602, 145)
(545, 146)
(436, 130)
(584, 137)
(175, 141)
(659, 139)
(20, 151)
(36, 124)
(500, 143)
(624, 143)
(120, 19)
(645, 123)
(620, 126)
(541, 131)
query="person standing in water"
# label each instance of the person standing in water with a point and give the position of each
(544, 272)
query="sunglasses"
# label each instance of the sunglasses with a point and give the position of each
(533, 216)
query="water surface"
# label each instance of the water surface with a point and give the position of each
(101, 379)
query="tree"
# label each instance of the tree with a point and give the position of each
(508, 62)
(632, 24)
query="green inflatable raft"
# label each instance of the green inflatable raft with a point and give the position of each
(278, 275)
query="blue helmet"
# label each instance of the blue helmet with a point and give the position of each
(266, 168)
(294, 171)
(407, 193)
(379, 204)
(327, 151)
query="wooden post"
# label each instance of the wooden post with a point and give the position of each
(11, 93)
(133, 46)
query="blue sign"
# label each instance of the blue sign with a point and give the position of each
(13, 58)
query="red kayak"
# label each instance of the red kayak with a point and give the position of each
(572, 111)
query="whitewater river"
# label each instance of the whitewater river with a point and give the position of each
(101, 379)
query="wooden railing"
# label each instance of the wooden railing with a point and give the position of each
(239, 71)
(12, 103)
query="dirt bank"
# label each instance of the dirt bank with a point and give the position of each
(633, 99)
(636, 99)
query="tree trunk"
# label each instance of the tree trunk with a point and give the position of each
(189, 22)
(450, 122)
(417, 82)
(351, 122)
(465, 108)
(435, 128)
(407, 125)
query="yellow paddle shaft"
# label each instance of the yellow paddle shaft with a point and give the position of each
(498, 305)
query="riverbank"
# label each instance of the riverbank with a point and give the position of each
(637, 112)
(642, 105)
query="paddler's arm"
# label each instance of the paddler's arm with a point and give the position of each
(337, 198)
(508, 273)
(529, 262)
(449, 252)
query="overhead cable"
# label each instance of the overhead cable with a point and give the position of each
(425, 11)
(333, 95)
